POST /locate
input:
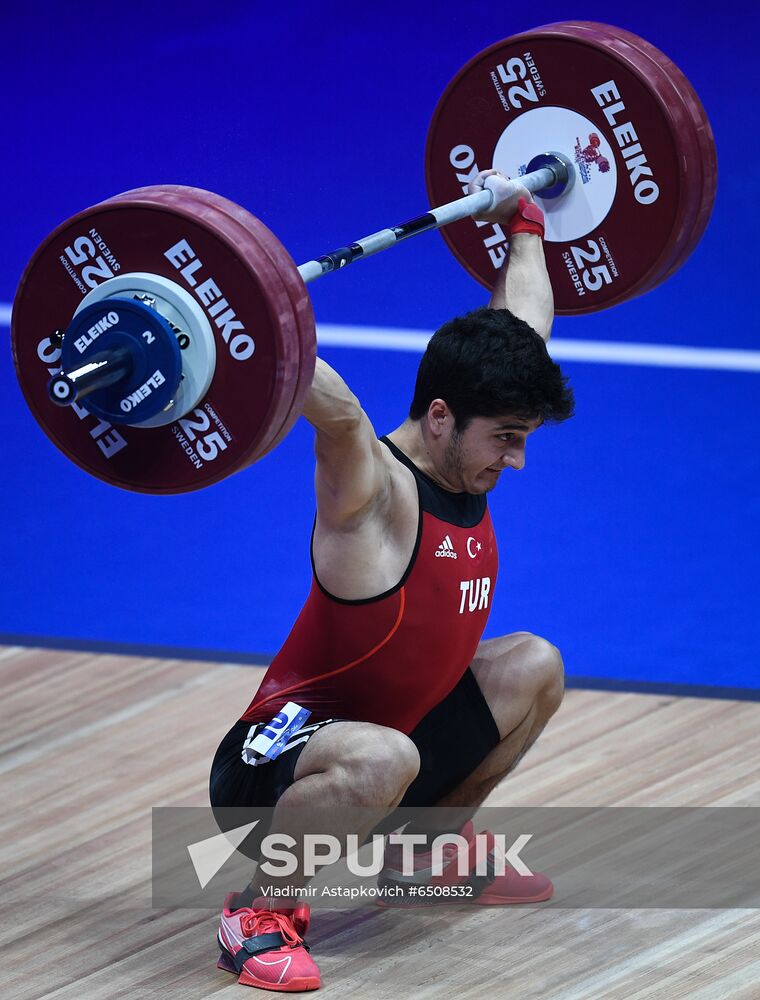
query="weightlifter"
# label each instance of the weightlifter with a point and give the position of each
(386, 653)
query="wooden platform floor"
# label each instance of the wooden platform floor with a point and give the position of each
(89, 743)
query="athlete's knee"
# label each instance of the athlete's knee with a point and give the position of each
(379, 765)
(545, 672)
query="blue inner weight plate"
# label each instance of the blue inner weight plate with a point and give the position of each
(157, 364)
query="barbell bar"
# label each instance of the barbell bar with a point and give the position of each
(214, 315)
(108, 369)
(557, 175)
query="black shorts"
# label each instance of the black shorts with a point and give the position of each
(452, 739)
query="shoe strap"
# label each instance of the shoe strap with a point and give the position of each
(480, 883)
(257, 945)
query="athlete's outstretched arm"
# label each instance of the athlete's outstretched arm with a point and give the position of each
(522, 285)
(351, 472)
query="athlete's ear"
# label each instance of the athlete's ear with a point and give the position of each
(440, 419)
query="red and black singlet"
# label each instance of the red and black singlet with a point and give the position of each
(390, 659)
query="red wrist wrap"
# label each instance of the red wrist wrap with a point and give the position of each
(527, 219)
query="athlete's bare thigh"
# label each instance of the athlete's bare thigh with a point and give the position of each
(355, 746)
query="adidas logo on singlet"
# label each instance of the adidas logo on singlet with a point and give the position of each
(445, 550)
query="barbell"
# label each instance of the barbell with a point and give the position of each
(164, 338)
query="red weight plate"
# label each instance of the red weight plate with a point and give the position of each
(566, 87)
(699, 167)
(307, 327)
(252, 228)
(249, 231)
(228, 219)
(294, 287)
(668, 81)
(704, 162)
(258, 356)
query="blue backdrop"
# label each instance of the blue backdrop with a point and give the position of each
(630, 539)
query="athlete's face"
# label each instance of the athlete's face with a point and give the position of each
(475, 458)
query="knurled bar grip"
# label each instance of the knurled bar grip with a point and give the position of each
(471, 204)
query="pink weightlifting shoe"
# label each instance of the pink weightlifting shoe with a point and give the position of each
(263, 945)
(425, 889)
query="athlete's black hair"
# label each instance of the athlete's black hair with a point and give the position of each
(489, 363)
